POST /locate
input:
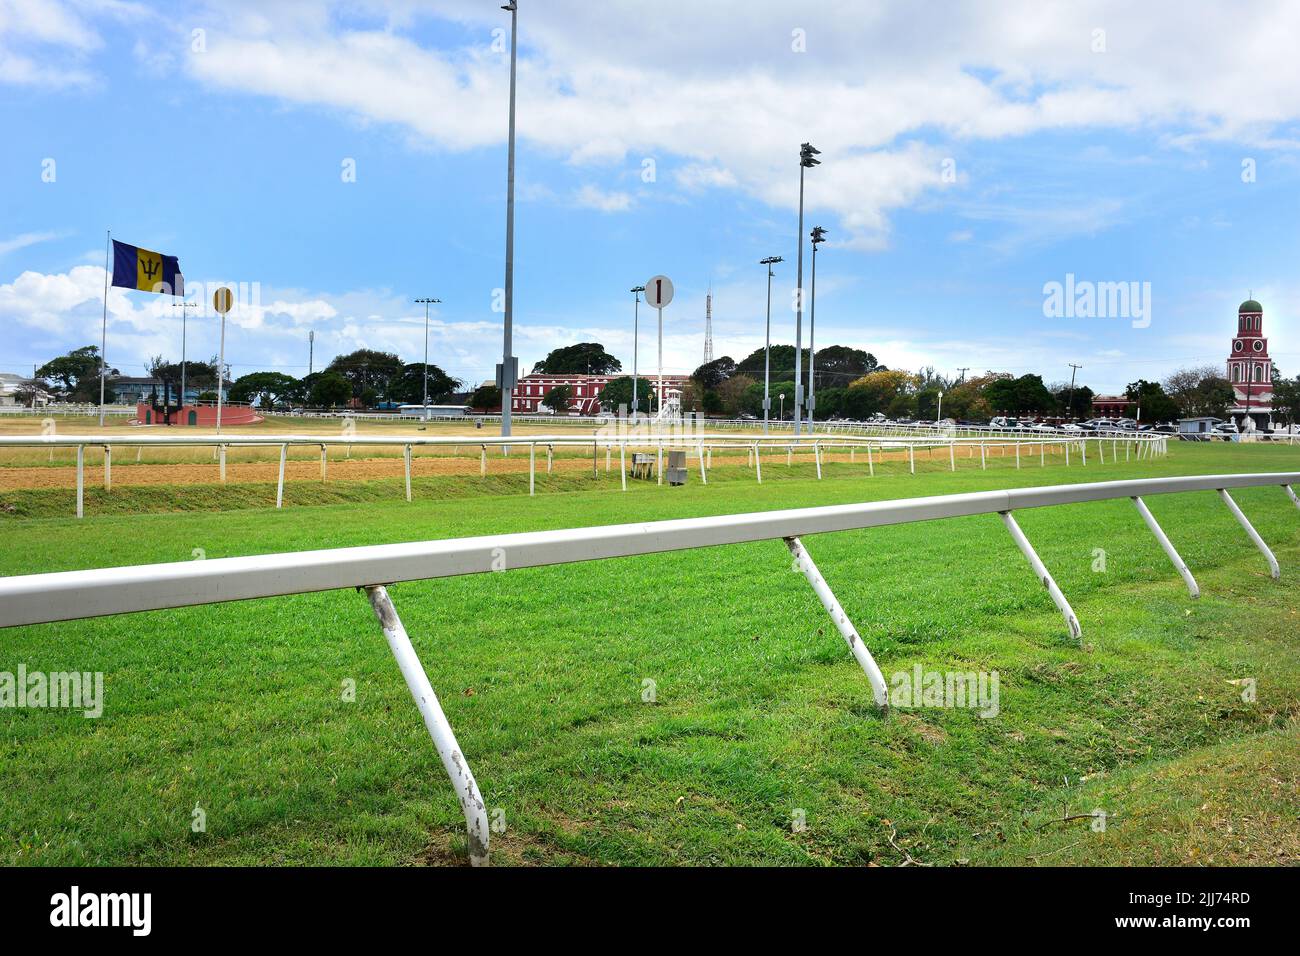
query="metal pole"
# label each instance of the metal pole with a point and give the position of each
(758, 467)
(1041, 572)
(1254, 535)
(221, 372)
(81, 480)
(453, 761)
(532, 468)
(425, 405)
(812, 344)
(406, 460)
(636, 343)
(507, 366)
(660, 396)
(279, 488)
(767, 354)
(622, 462)
(850, 634)
(103, 331)
(798, 321)
(108, 468)
(185, 308)
(1165, 543)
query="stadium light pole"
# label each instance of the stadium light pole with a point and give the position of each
(806, 161)
(507, 364)
(818, 237)
(184, 307)
(767, 341)
(426, 303)
(636, 339)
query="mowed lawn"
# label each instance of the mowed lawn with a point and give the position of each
(761, 745)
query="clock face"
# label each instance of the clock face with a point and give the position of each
(1236, 346)
(1259, 345)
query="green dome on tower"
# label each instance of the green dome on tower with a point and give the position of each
(1250, 305)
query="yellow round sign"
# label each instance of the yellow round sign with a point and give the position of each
(222, 300)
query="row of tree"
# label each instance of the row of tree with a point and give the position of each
(850, 383)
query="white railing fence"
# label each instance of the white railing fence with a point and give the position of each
(72, 595)
(618, 441)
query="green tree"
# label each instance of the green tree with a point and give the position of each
(710, 375)
(408, 385)
(619, 392)
(584, 358)
(557, 399)
(877, 391)
(367, 369)
(75, 376)
(267, 389)
(486, 398)
(331, 389)
(1286, 398)
(838, 365)
(1151, 400)
(1200, 391)
(1019, 396)
(782, 363)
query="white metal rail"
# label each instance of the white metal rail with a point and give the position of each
(700, 444)
(71, 595)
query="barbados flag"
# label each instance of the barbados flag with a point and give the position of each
(145, 271)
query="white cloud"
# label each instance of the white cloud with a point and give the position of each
(25, 240)
(718, 85)
(593, 197)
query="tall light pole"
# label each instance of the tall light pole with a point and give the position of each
(426, 303)
(636, 339)
(782, 418)
(184, 307)
(311, 351)
(806, 161)
(818, 237)
(767, 341)
(507, 359)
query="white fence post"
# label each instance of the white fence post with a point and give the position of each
(1165, 543)
(1043, 575)
(81, 480)
(1254, 535)
(279, 487)
(758, 465)
(406, 463)
(453, 761)
(850, 634)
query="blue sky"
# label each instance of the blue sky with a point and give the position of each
(972, 153)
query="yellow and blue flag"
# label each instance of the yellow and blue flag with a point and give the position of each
(146, 271)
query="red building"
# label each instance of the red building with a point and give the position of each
(584, 391)
(1109, 406)
(1250, 370)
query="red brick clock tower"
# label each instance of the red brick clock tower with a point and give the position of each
(1250, 370)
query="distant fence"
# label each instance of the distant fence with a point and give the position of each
(614, 441)
(72, 595)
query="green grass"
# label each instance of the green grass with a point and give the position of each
(760, 711)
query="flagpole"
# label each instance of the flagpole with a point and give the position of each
(103, 329)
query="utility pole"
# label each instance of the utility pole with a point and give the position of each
(1069, 409)
(962, 377)
(311, 350)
